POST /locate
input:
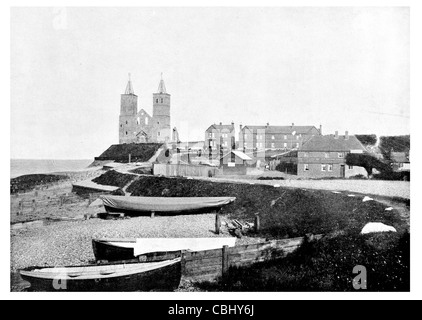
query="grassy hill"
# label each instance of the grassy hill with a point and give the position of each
(139, 152)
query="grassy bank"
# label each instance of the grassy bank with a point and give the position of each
(114, 178)
(30, 181)
(284, 212)
(327, 265)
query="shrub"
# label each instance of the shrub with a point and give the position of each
(367, 161)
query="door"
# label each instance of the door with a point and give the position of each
(342, 171)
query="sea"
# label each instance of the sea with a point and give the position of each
(19, 167)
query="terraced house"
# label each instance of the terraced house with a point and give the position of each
(262, 142)
(323, 157)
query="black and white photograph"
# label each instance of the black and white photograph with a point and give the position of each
(210, 149)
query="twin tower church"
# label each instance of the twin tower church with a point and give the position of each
(140, 127)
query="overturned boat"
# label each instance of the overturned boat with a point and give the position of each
(164, 205)
(154, 249)
(132, 276)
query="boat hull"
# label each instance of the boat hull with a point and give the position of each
(162, 279)
(104, 251)
(154, 249)
(135, 206)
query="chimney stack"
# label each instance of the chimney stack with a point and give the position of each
(268, 124)
(336, 135)
(232, 123)
(221, 123)
(346, 137)
(240, 126)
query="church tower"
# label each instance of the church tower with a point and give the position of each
(161, 113)
(128, 111)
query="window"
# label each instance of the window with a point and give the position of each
(330, 167)
(272, 137)
(350, 167)
(121, 126)
(297, 137)
(245, 135)
(297, 145)
(146, 121)
(285, 145)
(272, 145)
(158, 133)
(305, 154)
(213, 135)
(225, 143)
(323, 167)
(285, 137)
(306, 167)
(162, 100)
(156, 100)
(126, 122)
(209, 135)
(326, 154)
(341, 154)
(257, 144)
(126, 132)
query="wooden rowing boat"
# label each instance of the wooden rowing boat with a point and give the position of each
(127, 276)
(154, 249)
(164, 205)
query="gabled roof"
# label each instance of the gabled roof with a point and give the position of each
(330, 143)
(283, 129)
(221, 127)
(143, 110)
(399, 157)
(241, 155)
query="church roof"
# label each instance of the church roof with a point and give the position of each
(161, 86)
(129, 88)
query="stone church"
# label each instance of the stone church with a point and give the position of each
(140, 127)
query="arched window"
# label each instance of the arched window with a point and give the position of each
(146, 121)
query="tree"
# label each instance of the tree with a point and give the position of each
(367, 139)
(394, 144)
(368, 162)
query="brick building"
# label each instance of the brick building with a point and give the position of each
(323, 156)
(263, 142)
(219, 138)
(139, 127)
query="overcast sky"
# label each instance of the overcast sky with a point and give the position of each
(344, 68)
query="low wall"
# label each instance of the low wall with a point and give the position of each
(183, 170)
(237, 170)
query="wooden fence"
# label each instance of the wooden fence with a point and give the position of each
(184, 170)
(211, 264)
(32, 205)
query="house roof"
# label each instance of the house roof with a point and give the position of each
(283, 129)
(221, 127)
(241, 155)
(330, 143)
(399, 157)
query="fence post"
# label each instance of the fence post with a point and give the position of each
(217, 222)
(34, 205)
(257, 223)
(225, 262)
(152, 214)
(183, 262)
(20, 210)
